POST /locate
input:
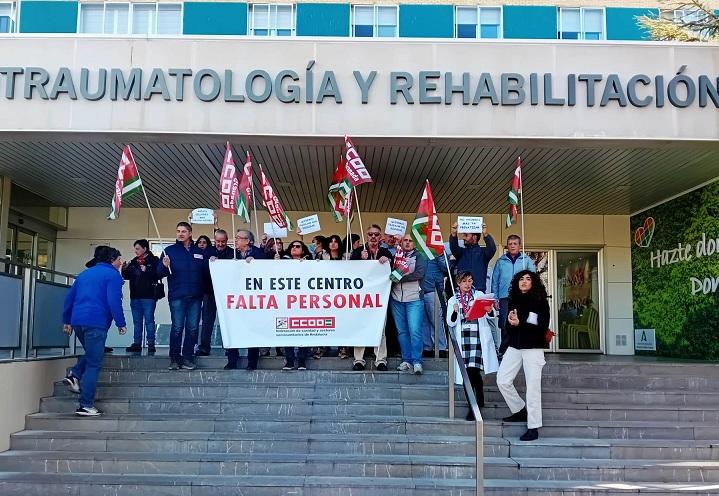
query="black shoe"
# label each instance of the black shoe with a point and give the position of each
(428, 354)
(187, 365)
(357, 367)
(134, 348)
(108, 349)
(231, 366)
(174, 365)
(151, 349)
(301, 365)
(520, 416)
(202, 353)
(530, 435)
(443, 353)
(382, 367)
(250, 367)
(289, 366)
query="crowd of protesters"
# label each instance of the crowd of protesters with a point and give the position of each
(95, 300)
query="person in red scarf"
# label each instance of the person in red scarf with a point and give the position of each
(145, 290)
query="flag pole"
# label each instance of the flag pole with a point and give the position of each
(521, 206)
(359, 214)
(234, 236)
(149, 208)
(254, 209)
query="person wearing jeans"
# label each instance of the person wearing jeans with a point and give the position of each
(142, 274)
(93, 302)
(184, 266)
(433, 322)
(407, 304)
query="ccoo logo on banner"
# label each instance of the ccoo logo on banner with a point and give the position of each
(294, 303)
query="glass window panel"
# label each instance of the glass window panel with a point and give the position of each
(570, 35)
(260, 19)
(593, 36)
(8, 242)
(578, 300)
(284, 17)
(117, 18)
(91, 18)
(466, 31)
(466, 15)
(169, 19)
(363, 31)
(7, 18)
(490, 16)
(489, 31)
(261, 32)
(570, 20)
(143, 18)
(364, 16)
(593, 21)
(386, 31)
(45, 253)
(284, 32)
(386, 16)
(23, 249)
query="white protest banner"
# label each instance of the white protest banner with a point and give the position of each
(300, 303)
(395, 227)
(272, 230)
(308, 225)
(467, 224)
(203, 216)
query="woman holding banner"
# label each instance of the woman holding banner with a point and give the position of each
(297, 251)
(331, 251)
(474, 337)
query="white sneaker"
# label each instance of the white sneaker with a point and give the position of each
(404, 366)
(418, 369)
(72, 383)
(88, 412)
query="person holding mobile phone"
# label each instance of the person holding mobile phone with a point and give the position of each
(527, 324)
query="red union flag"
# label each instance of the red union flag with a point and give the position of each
(229, 185)
(357, 173)
(426, 233)
(245, 192)
(272, 204)
(340, 190)
(127, 183)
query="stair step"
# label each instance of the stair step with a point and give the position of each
(39, 484)
(434, 408)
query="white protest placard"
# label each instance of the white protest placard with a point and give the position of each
(202, 216)
(272, 230)
(295, 303)
(395, 227)
(467, 224)
(645, 340)
(309, 224)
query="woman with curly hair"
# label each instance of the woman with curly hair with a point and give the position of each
(527, 324)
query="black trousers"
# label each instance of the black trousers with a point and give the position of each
(253, 355)
(475, 379)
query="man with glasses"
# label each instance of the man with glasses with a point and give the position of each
(247, 251)
(372, 250)
(220, 251)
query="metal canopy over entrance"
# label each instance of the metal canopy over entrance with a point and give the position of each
(561, 177)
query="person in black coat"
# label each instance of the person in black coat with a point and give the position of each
(145, 289)
(528, 322)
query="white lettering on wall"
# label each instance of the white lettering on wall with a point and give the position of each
(705, 286)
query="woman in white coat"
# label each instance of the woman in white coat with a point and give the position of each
(474, 337)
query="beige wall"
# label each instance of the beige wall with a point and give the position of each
(89, 227)
(22, 386)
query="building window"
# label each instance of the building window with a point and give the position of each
(272, 20)
(130, 18)
(686, 17)
(374, 21)
(8, 17)
(478, 22)
(581, 24)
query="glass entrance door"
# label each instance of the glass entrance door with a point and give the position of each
(577, 302)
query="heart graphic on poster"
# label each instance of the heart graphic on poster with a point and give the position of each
(643, 235)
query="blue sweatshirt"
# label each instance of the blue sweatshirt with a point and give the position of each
(475, 259)
(95, 298)
(505, 269)
(188, 269)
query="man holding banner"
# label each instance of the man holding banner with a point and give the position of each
(473, 257)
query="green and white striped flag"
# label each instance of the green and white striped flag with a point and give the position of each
(128, 182)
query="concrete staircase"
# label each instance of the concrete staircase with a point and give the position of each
(612, 426)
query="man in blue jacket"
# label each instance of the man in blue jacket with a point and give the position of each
(93, 302)
(436, 272)
(507, 265)
(184, 267)
(473, 257)
(220, 251)
(247, 251)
